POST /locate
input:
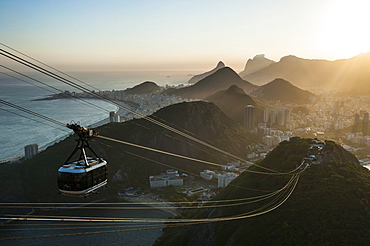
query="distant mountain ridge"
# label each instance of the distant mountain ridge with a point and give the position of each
(255, 64)
(284, 91)
(222, 79)
(199, 77)
(345, 75)
(143, 88)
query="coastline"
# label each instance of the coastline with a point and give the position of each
(95, 124)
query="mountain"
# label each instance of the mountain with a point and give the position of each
(284, 91)
(347, 75)
(36, 179)
(329, 205)
(232, 102)
(222, 79)
(199, 77)
(255, 64)
(143, 88)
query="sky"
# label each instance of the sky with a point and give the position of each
(134, 35)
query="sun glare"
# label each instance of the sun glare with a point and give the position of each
(345, 28)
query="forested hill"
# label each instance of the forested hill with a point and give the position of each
(36, 179)
(330, 205)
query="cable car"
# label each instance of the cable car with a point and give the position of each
(86, 174)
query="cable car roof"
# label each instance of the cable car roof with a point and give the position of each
(79, 166)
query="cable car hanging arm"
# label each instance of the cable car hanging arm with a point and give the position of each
(84, 135)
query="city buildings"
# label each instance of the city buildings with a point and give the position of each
(171, 177)
(225, 179)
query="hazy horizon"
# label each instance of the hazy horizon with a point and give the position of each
(171, 35)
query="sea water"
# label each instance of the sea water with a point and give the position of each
(16, 132)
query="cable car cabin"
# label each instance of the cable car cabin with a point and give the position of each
(77, 178)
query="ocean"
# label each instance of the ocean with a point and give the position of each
(17, 132)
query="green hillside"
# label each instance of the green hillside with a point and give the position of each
(38, 176)
(330, 205)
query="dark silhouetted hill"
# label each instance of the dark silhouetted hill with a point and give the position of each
(284, 91)
(199, 77)
(329, 206)
(232, 102)
(222, 79)
(143, 88)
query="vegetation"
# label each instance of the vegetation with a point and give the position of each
(330, 206)
(36, 179)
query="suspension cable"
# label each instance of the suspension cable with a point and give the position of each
(36, 80)
(66, 81)
(48, 66)
(31, 112)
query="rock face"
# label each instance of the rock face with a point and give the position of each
(232, 102)
(222, 79)
(143, 88)
(199, 77)
(328, 206)
(255, 64)
(284, 91)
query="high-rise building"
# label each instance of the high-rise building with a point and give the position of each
(273, 117)
(30, 150)
(365, 124)
(266, 115)
(249, 117)
(356, 123)
(114, 117)
(280, 117)
(287, 115)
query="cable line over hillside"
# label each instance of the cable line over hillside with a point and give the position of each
(273, 199)
(74, 85)
(192, 159)
(137, 145)
(262, 210)
(281, 196)
(215, 203)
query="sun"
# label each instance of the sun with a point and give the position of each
(345, 28)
